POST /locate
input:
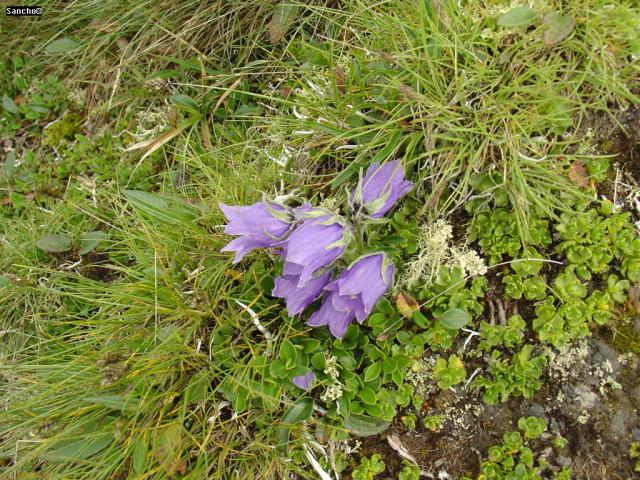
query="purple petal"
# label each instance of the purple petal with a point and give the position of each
(298, 298)
(381, 188)
(255, 226)
(292, 269)
(307, 248)
(337, 320)
(347, 303)
(303, 381)
(364, 279)
(338, 326)
(255, 220)
(242, 246)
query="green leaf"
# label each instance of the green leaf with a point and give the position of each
(9, 105)
(455, 318)
(10, 164)
(168, 442)
(116, 402)
(298, 412)
(160, 208)
(80, 449)
(365, 426)
(198, 387)
(310, 345)
(89, 241)
(319, 361)
(139, 455)
(368, 396)
(372, 371)
(419, 319)
(559, 27)
(287, 352)
(283, 16)
(389, 365)
(239, 402)
(186, 102)
(61, 45)
(342, 177)
(377, 320)
(55, 243)
(277, 369)
(517, 17)
(4, 281)
(38, 107)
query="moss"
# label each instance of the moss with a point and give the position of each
(64, 128)
(623, 335)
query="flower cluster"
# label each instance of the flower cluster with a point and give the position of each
(311, 240)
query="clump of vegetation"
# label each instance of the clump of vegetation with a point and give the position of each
(368, 468)
(518, 377)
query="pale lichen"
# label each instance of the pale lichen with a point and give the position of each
(435, 250)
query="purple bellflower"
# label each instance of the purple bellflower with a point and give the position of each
(303, 381)
(319, 240)
(354, 294)
(299, 298)
(263, 224)
(380, 188)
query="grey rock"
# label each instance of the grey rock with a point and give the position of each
(583, 397)
(607, 353)
(564, 461)
(499, 417)
(533, 410)
(624, 417)
(634, 395)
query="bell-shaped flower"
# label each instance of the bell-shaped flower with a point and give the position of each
(303, 381)
(263, 224)
(380, 188)
(354, 294)
(299, 297)
(316, 243)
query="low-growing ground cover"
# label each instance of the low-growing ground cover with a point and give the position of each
(433, 208)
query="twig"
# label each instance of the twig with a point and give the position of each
(316, 466)
(492, 312)
(475, 372)
(472, 333)
(256, 321)
(395, 443)
(501, 312)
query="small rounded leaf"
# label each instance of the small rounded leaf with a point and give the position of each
(559, 27)
(455, 318)
(372, 372)
(406, 304)
(365, 426)
(517, 17)
(61, 45)
(55, 243)
(90, 241)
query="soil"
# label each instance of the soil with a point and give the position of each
(97, 266)
(591, 391)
